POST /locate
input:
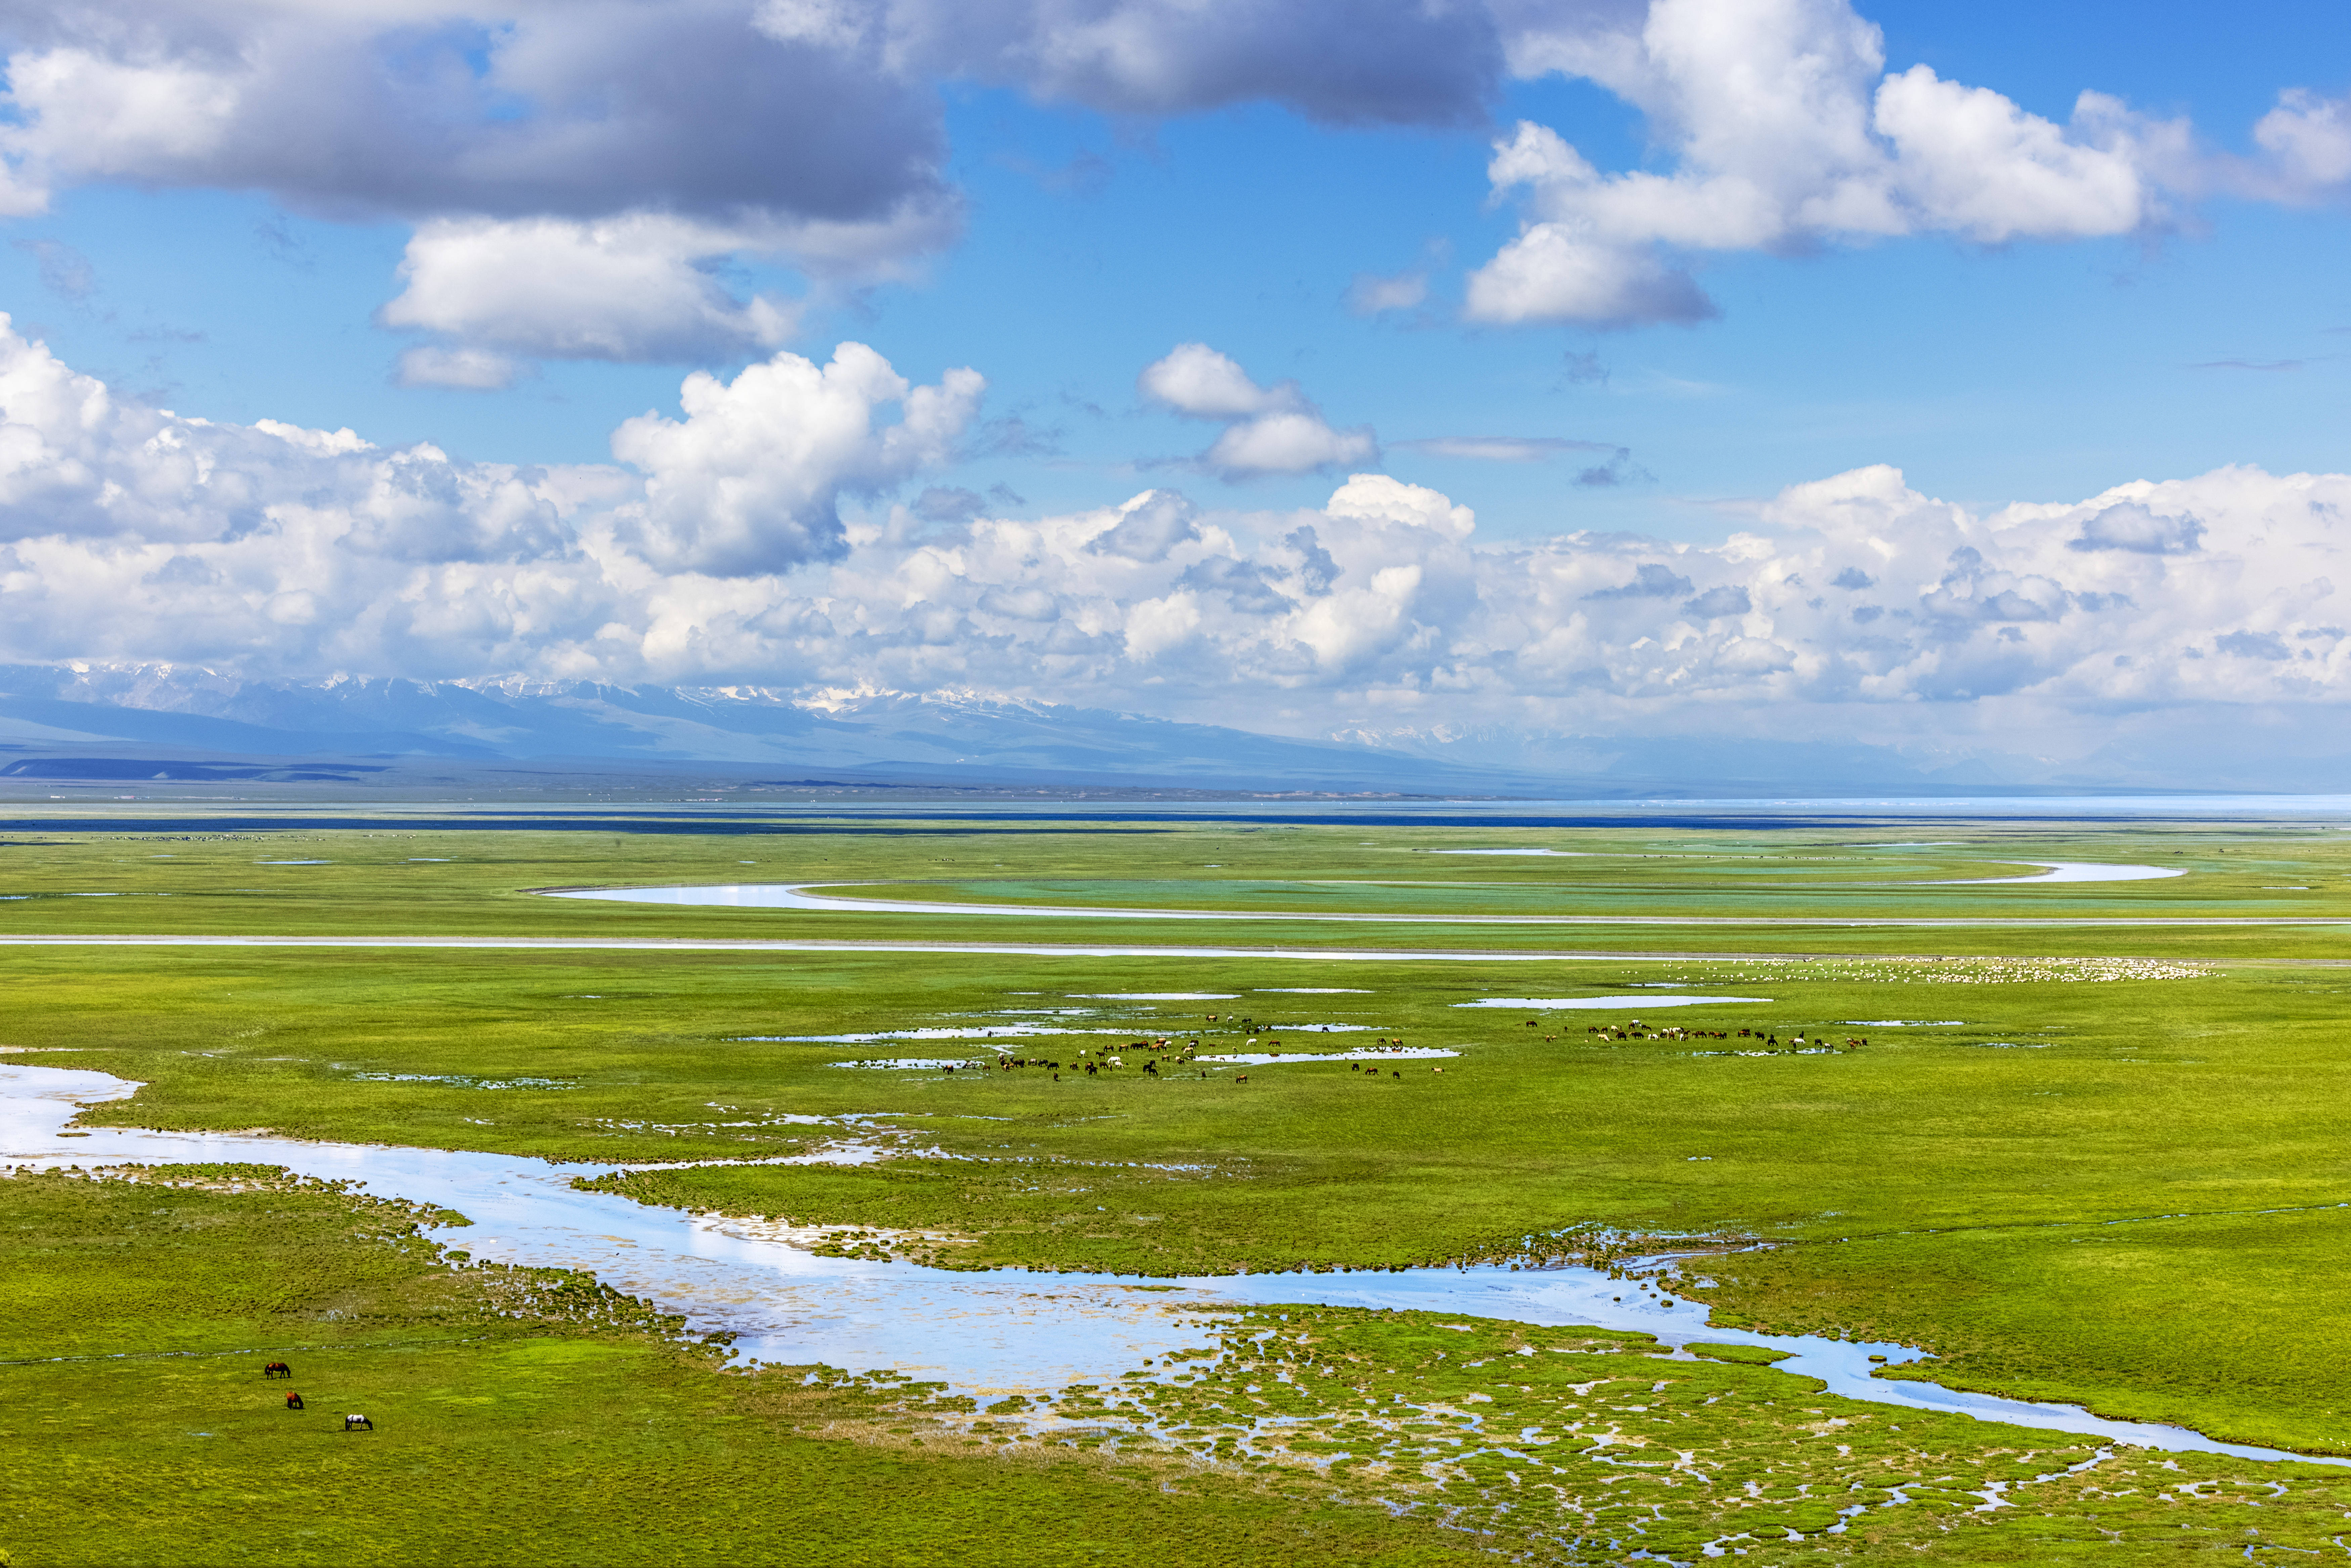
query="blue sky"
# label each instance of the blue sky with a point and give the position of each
(2146, 295)
(2028, 371)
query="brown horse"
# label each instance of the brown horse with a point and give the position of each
(277, 1369)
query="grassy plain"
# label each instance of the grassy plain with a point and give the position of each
(2074, 1176)
(531, 1415)
(522, 1415)
(1795, 888)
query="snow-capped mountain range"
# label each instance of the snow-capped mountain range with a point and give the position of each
(113, 721)
(135, 722)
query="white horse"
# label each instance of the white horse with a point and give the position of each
(354, 1422)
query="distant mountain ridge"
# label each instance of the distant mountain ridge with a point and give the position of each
(878, 737)
(111, 722)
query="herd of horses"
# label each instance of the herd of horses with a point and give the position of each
(351, 1423)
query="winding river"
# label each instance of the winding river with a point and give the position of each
(982, 1332)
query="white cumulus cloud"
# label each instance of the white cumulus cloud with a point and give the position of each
(632, 288)
(749, 481)
(1267, 430)
(1785, 131)
(2306, 146)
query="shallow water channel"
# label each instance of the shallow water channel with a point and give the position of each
(839, 898)
(2072, 871)
(1002, 1331)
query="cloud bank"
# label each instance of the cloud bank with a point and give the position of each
(719, 550)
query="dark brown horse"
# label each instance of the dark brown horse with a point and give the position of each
(277, 1369)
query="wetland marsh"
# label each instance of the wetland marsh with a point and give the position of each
(2085, 1152)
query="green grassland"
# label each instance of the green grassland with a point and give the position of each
(2112, 1180)
(531, 1415)
(521, 1416)
(2224, 1323)
(1786, 891)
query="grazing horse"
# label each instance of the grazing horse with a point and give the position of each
(1242, 1078)
(354, 1422)
(293, 1402)
(277, 1369)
